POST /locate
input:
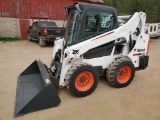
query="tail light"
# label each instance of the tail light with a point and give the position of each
(146, 31)
(45, 32)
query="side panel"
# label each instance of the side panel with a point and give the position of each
(5, 11)
(24, 9)
(39, 9)
(100, 61)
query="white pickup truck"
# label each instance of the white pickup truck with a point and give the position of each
(153, 29)
(159, 30)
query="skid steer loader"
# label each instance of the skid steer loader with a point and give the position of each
(93, 46)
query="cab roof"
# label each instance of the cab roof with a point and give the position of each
(84, 6)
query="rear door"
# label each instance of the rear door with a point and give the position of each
(32, 31)
(158, 29)
(153, 30)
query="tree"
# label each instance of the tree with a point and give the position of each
(129, 7)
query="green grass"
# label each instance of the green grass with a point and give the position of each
(9, 39)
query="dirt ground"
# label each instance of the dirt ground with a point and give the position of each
(139, 101)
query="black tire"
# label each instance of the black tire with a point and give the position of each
(121, 72)
(58, 56)
(42, 43)
(29, 38)
(81, 86)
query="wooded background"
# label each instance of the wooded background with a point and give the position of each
(129, 7)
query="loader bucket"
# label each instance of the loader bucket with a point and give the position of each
(35, 90)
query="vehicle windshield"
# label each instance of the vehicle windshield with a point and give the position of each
(47, 24)
(71, 31)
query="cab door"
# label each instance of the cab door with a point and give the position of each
(96, 23)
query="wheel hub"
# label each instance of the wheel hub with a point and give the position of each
(84, 81)
(124, 74)
(121, 72)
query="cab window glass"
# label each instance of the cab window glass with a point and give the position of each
(96, 23)
(151, 29)
(155, 28)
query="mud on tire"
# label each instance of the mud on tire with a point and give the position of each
(28, 37)
(121, 72)
(42, 43)
(82, 79)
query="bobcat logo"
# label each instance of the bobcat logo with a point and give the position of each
(140, 50)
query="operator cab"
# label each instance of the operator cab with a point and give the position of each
(87, 20)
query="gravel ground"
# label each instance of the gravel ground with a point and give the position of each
(139, 101)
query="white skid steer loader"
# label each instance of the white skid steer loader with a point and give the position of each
(93, 46)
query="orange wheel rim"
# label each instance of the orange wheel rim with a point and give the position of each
(84, 81)
(124, 74)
